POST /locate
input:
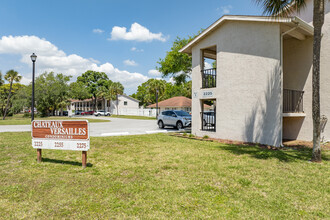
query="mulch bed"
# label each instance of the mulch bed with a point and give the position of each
(286, 144)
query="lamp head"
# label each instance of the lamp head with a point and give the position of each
(33, 57)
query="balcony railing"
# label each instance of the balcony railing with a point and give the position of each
(293, 101)
(208, 121)
(209, 78)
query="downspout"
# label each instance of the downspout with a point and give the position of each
(282, 72)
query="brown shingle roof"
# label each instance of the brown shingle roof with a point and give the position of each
(179, 101)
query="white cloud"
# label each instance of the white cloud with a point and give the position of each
(50, 58)
(136, 50)
(25, 80)
(136, 33)
(207, 65)
(130, 63)
(225, 9)
(129, 80)
(154, 73)
(98, 31)
(171, 80)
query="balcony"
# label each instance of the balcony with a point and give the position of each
(293, 103)
(209, 78)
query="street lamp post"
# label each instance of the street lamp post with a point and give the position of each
(157, 103)
(33, 58)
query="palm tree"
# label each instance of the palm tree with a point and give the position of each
(1, 80)
(11, 76)
(156, 84)
(157, 87)
(284, 8)
(115, 89)
(103, 92)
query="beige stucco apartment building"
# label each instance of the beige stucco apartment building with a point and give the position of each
(262, 86)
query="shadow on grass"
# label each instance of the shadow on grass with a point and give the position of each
(282, 155)
(74, 163)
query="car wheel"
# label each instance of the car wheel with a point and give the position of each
(179, 125)
(160, 124)
(108, 114)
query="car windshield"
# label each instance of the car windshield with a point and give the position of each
(182, 113)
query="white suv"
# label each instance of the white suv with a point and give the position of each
(174, 118)
(101, 113)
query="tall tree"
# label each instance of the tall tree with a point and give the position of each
(173, 90)
(21, 97)
(285, 8)
(1, 80)
(62, 91)
(146, 92)
(78, 90)
(52, 92)
(93, 80)
(13, 106)
(176, 64)
(105, 92)
(10, 76)
(157, 87)
(116, 89)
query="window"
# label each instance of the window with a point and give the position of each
(125, 102)
(208, 115)
(182, 113)
(208, 67)
(171, 113)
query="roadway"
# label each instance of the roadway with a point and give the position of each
(115, 127)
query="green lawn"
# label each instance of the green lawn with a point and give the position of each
(133, 117)
(20, 120)
(161, 177)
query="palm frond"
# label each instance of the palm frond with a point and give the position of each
(281, 8)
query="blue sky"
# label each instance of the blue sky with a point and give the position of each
(73, 36)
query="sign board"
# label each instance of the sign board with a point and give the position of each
(207, 94)
(60, 135)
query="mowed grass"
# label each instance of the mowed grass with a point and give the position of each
(20, 120)
(133, 117)
(161, 177)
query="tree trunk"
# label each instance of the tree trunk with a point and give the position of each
(8, 98)
(318, 20)
(95, 102)
(117, 102)
(105, 106)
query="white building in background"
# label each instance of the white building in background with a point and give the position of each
(262, 84)
(126, 106)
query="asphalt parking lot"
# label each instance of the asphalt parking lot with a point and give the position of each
(121, 126)
(115, 127)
